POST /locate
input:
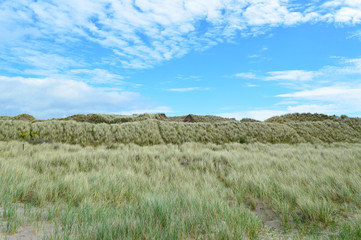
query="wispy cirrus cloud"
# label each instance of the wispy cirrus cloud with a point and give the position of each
(184, 89)
(332, 89)
(336, 88)
(291, 75)
(189, 78)
(141, 34)
(338, 98)
(282, 76)
(98, 76)
(350, 67)
(248, 75)
(327, 93)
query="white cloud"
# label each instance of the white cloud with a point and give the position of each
(334, 89)
(346, 69)
(341, 11)
(341, 79)
(344, 99)
(248, 75)
(350, 66)
(262, 115)
(97, 76)
(144, 33)
(48, 97)
(348, 15)
(39, 60)
(256, 114)
(272, 12)
(326, 93)
(291, 75)
(329, 90)
(331, 4)
(184, 89)
(314, 108)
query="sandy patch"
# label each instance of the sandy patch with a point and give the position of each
(29, 231)
(269, 218)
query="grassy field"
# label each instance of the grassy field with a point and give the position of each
(182, 191)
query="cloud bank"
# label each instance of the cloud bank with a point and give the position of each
(47, 97)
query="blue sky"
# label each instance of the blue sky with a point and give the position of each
(255, 58)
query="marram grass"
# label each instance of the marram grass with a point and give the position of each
(151, 131)
(183, 191)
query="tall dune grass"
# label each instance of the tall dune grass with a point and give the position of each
(153, 131)
(185, 191)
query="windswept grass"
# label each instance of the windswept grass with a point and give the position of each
(155, 130)
(185, 191)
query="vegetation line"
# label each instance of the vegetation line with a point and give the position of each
(148, 129)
